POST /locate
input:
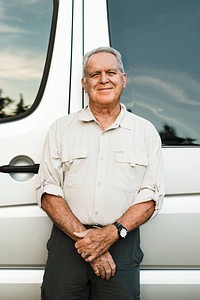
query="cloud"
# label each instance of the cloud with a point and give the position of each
(28, 2)
(2, 10)
(167, 97)
(176, 92)
(20, 65)
(6, 18)
(165, 118)
(4, 28)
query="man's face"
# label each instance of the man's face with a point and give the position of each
(104, 81)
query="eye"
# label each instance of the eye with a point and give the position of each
(111, 73)
(94, 75)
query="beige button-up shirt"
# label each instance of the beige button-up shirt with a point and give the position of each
(102, 173)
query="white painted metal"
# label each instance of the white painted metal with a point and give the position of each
(171, 240)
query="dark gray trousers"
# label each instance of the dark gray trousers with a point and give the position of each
(68, 277)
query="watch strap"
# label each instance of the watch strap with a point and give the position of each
(120, 229)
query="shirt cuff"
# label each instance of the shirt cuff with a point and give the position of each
(147, 195)
(51, 189)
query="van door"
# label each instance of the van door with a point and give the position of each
(159, 42)
(42, 44)
(35, 63)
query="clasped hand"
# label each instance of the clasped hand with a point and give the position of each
(93, 245)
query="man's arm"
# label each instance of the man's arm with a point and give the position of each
(137, 215)
(59, 212)
(98, 241)
(61, 215)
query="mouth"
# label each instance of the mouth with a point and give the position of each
(105, 89)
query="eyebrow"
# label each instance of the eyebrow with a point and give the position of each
(99, 71)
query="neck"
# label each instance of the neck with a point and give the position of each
(105, 115)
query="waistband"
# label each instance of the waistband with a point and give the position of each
(87, 226)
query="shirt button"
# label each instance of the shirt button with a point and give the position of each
(99, 183)
(96, 213)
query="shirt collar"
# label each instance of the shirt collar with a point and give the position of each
(87, 116)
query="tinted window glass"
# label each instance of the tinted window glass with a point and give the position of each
(24, 34)
(160, 45)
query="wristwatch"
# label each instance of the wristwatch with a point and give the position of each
(122, 231)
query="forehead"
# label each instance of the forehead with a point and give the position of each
(102, 60)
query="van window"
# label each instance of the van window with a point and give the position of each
(160, 46)
(24, 34)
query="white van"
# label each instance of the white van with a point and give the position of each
(42, 44)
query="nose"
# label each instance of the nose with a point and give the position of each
(104, 78)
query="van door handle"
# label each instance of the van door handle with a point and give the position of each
(20, 169)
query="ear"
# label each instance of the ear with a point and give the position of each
(124, 80)
(84, 85)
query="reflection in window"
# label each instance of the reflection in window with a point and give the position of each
(24, 34)
(159, 42)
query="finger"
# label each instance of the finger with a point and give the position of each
(113, 271)
(108, 274)
(96, 271)
(102, 272)
(113, 268)
(90, 258)
(85, 255)
(108, 270)
(80, 247)
(112, 264)
(81, 250)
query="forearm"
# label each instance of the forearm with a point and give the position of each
(97, 241)
(134, 217)
(61, 215)
(59, 212)
(137, 215)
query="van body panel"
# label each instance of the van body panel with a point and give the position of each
(22, 224)
(171, 265)
(176, 162)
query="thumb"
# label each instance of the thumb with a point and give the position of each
(81, 234)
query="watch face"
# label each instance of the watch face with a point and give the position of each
(123, 233)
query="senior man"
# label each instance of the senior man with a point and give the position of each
(99, 180)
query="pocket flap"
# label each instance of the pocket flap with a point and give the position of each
(71, 154)
(132, 158)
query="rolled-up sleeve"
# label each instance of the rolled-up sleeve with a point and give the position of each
(50, 175)
(152, 187)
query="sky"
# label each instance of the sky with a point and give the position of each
(160, 45)
(159, 42)
(24, 34)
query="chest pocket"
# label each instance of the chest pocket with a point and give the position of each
(74, 165)
(130, 169)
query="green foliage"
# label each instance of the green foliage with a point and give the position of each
(10, 107)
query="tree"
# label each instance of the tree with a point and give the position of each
(169, 137)
(7, 111)
(21, 108)
(4, 103)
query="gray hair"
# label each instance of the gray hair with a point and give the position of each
(102, 49)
